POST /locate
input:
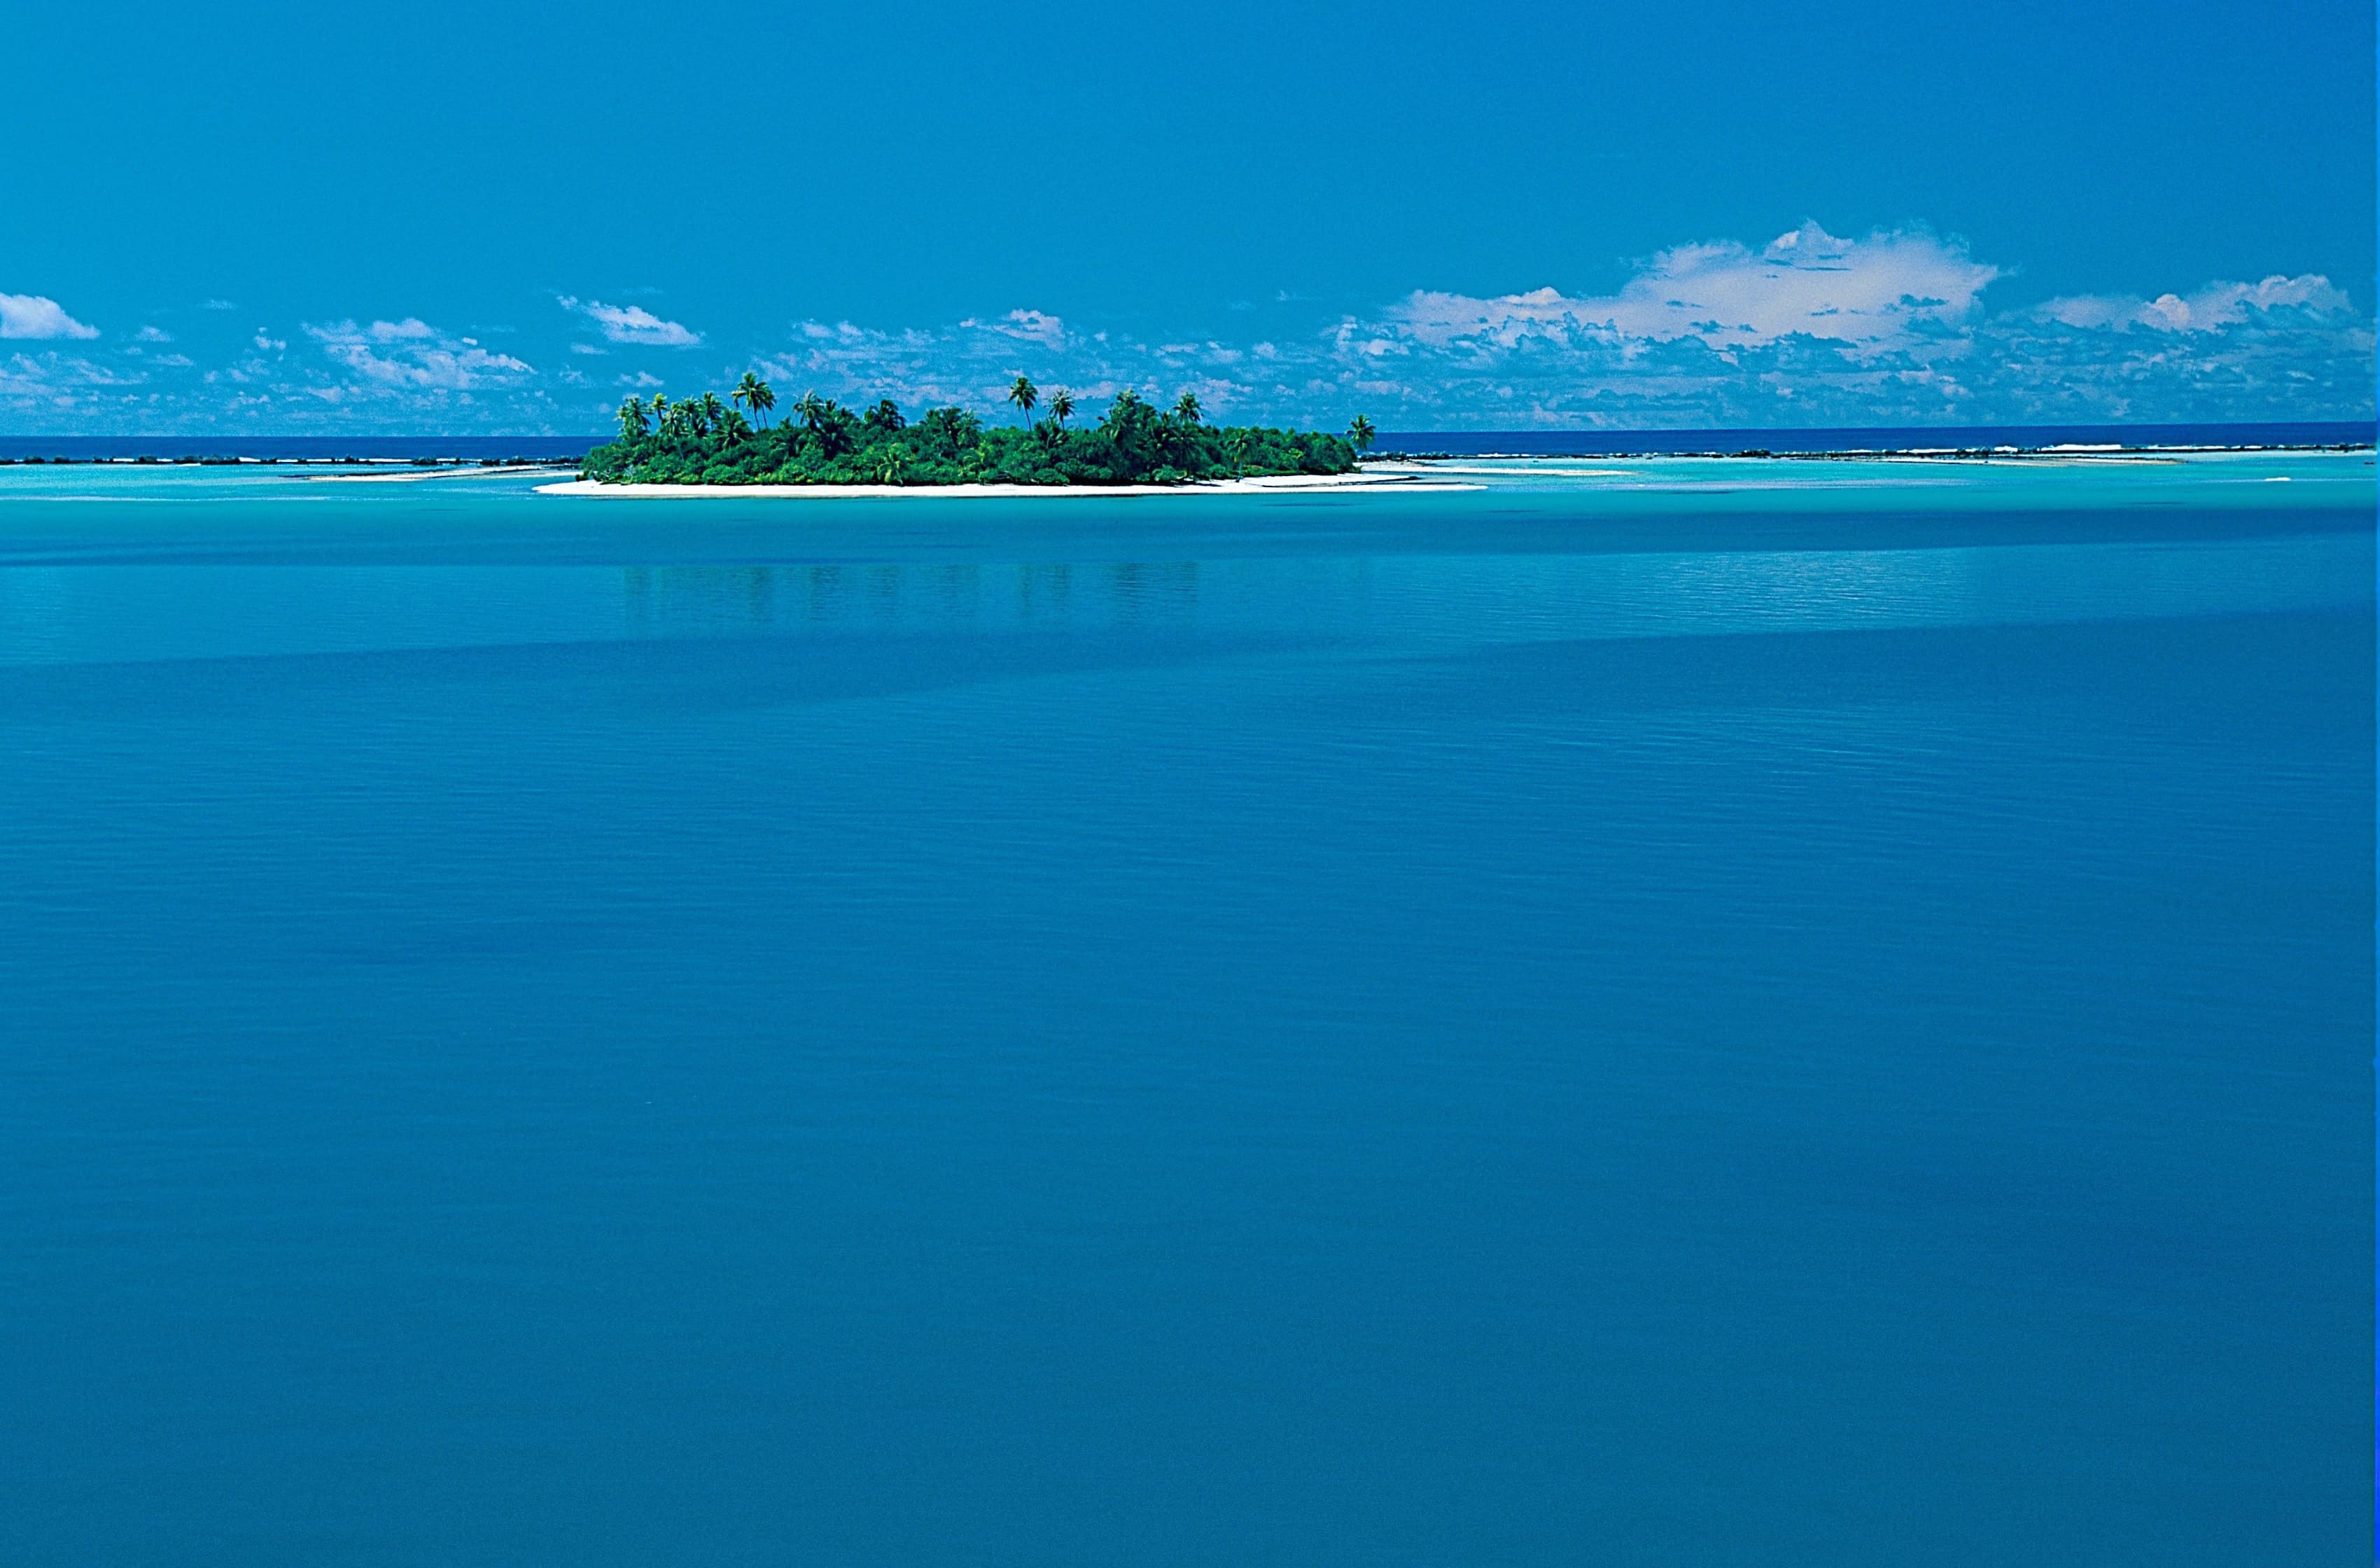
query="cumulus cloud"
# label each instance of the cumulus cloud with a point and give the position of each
(1025, 326)
(1871, 295)
(1810, 328)
(28, 375)
(2279, 348)
(152, 334)
(2210, 310)
(1898, 327)
(52, 386)
(1816, 330)
(411, 355)
(34, 315)
(633, 324)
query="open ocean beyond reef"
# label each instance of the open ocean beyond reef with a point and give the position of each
(1660, 1012)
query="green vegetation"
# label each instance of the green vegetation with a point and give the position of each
(706, 441)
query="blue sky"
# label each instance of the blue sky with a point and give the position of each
(499, 217)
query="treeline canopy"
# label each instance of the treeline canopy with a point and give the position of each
(708, 441)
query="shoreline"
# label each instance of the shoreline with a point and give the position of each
(1255, 485)
(459, 471)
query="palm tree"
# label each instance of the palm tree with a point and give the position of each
(950, 428)
(1185, 408)
(1061, 403)
(1360, 432)
(829, 423)
(891, 463)
(1023, 394)
(632, 419)
(753, 393)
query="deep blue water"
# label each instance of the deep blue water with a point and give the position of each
(1635, 1014)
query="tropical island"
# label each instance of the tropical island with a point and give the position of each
(708, 441)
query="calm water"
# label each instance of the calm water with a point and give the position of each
(1639, 1013)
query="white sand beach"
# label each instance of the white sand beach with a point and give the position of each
(1396, 481)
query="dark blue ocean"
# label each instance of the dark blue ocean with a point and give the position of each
(1668, 1012)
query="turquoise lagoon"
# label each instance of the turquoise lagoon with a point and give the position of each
(1658, 1012)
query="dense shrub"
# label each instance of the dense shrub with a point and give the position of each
(705, 441)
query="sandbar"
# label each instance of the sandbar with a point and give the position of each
(414, 476)
(1267, 482)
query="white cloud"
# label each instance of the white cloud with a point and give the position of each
(34, 315)
(217, 305)
(1810, 328)
(1028, 326)
(2211, 308)
(1907, 341)
(2281, 348)
(1872, 294)
(54, 383)
(633, 324)
(412, 355)
(152, 334)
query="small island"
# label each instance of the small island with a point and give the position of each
(708, 441)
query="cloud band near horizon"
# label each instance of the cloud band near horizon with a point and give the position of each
(1809, 330)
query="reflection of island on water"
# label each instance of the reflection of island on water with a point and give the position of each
(1439, 603)
(942, 597)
